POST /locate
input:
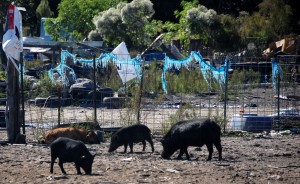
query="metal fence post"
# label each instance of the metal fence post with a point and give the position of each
(94, 89)
(225, 94)
(22, 93)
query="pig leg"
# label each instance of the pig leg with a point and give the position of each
(52, 163)
(210, 150)
(131, 147)
(77, 165)
(187, 154)
(144, 145)
(219, 148)
(60, 163)
(182, 151)
(125, 147)
(151, 143)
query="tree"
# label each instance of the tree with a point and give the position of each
(75, 17)
(128, 22)
(54, 28)
(195, 22)
(43, 10)
(271, 22)
(200, 21)
(29, 16)
(180, 30)
(225, 34)
(110, 20)
(277, 16)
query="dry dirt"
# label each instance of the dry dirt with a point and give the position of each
(248, 159)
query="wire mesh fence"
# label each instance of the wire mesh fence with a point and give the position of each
(252, 100)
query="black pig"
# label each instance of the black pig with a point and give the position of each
(69, 150)
(192, 133)
(129, 135)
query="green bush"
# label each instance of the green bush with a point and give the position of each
(45, 88)
(2, 78)
(2, 75)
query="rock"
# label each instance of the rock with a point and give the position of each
(252, 174)
(274, 177)
(81, 88)
(127, 159)
(101, 94)
(172, 171)
(52, 101)
(114, 102)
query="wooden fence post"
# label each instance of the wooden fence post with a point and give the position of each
(13, 102)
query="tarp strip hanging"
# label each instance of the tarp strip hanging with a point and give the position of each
(218, 74)
(276, 73)
(104, 59)
(63, 70)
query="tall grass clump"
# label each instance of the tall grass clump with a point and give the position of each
(186, 81)
(2, 78)
(44, 88)
(185, 112)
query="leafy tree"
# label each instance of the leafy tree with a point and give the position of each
(43, 10)
(29, 17)
(54, 27)
(153, 29)
(128, 22)
(277, 16)
(110, 20)
(94, 36)
(271, 22)
(200, 21)
(195, 21)
(225, 34)
(251, 25)
(180, 30)
(75, 17)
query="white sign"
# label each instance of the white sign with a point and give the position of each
(126, 70)
(12, 42)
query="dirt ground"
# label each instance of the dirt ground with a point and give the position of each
(249, 159)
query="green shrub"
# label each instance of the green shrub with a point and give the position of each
(33, 64)
(2, 75)
(2, 78)
(45, 88)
